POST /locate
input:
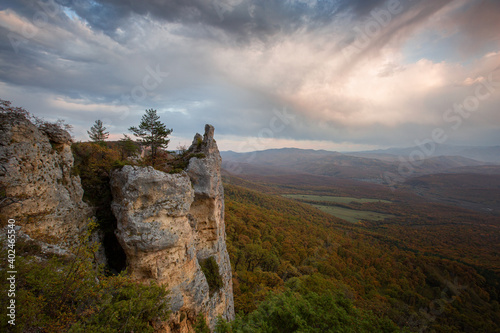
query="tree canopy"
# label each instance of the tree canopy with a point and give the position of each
(98, 133)
(152, 133)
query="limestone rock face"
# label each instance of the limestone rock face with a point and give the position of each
(35, 174)
(168, 223)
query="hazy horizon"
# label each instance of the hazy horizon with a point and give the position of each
(437, 147)
(334, 75)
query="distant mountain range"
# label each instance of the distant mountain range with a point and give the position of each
(367, 166)
(489, 154)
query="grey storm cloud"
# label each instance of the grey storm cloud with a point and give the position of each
(241, 19)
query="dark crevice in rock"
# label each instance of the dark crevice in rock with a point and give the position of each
(116, 258)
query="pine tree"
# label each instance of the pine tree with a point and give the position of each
(98, 133)
(152, 133)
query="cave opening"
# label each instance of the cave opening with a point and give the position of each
(115, 255)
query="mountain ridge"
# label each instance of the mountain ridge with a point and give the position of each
(321, 162)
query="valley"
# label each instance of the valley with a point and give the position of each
(393, 251)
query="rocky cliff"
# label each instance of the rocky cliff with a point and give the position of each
(38, 190)
(171, 226)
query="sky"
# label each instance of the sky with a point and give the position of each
(343, 75)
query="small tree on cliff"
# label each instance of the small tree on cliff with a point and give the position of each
(98, 133)
(152, 133)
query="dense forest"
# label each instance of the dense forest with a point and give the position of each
(282, 250)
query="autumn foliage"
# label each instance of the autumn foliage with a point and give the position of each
(289, 255)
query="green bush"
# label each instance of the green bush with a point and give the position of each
(223, 326)
(211, 270)
(311, 312)
(201, 325)
(198, 155)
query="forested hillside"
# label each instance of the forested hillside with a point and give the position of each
(290, 260)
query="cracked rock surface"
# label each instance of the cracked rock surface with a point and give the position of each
(44, 197)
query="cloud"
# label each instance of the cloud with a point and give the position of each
(242, 20)
(476, 23)
(234, 63)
